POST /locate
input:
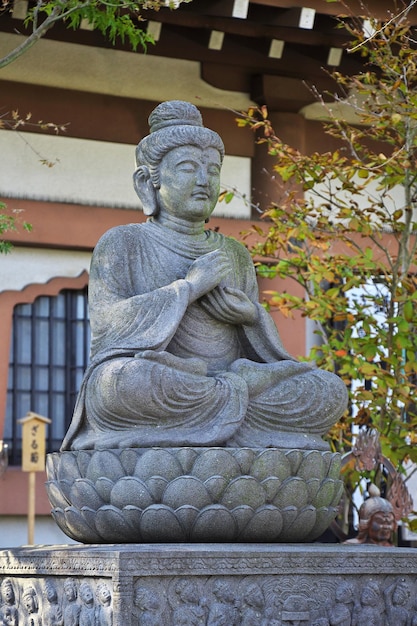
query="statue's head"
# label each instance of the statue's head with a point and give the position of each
(103, 594)
(7, 591)
(223, 591)
(30, 600)
(401, 593)
(50, 591)
(145, 599)
(371, 594)
(187, 591)
(70, 589)
(344, 592)
(376, 521)
(254, 596)
(173, 125)
(86, 593)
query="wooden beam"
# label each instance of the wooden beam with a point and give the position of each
(379, 9)
(248, 28)
(281, 93)
(109, 118)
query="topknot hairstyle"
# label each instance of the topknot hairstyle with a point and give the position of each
(174, 113)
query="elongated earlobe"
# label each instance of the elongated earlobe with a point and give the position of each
(145, 190)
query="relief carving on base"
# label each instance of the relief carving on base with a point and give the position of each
(212, 601)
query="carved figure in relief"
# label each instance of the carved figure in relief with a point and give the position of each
(377, 523)
(370, 611)
(31, 604)
(53, 613)
(149, 607)
(295, 611)
(223, 611)
(340, 614)
(104, 610)
(72, 608)
(182, 353)
(88, 609)
(9, 615)
(396, 598)
(253, 607)
(192, 609)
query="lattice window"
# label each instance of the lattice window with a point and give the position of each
(48, 356)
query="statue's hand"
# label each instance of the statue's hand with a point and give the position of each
(206, 273)
(229, 305)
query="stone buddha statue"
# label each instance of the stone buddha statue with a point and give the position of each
(182, 353)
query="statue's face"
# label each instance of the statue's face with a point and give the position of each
(254, 597)
(104, 595)
(29, 603)
(400, 595)
(189, 182)
(70, 592)
(368, 597)
(8, 593)
(87, 594)
(381, 527)
(189, 594)
(50, 593)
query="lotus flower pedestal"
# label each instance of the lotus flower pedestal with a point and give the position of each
(194, 494)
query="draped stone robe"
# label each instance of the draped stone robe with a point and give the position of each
(167, 372)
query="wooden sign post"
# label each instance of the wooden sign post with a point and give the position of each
(33, 459)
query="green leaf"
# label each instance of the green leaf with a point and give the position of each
(363, 173)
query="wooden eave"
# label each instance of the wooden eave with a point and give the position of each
(244, 62)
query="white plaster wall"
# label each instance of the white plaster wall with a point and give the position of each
(85, 171)
(92, 172)
(114, 72)
(14, 532)
(236, 176)
(25, 266)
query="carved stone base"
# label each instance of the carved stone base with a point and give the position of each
(171, 584)
(194, 494)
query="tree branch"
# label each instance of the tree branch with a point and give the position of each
(33, 38)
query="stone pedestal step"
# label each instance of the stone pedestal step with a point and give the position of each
(206, 584)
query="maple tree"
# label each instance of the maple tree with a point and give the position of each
(345, 230)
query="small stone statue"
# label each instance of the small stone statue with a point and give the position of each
(104, 610)
(191, 610)
(396, 598)
(31, 604)
(223, 610)
(370, 612)
(182, 352)
(53, 613)
(9, 615)
(72, 608)
(340, 614)
(377, 523)
(252, 612)
(148, 605)
(88, 609)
